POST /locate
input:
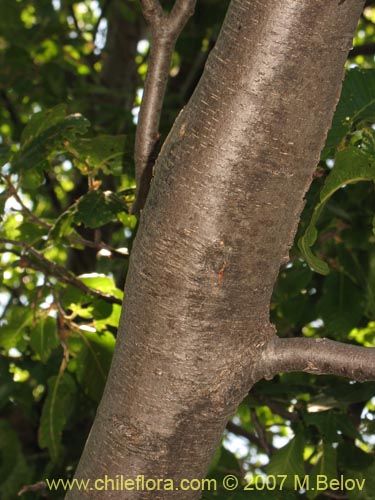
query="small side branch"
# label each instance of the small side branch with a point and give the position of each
(51, 268)
(317, 356)
(165, 29)
(367, 49)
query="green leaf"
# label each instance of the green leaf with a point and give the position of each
(104, 152)
(288, 460)
(57, 409)
(5, 154)
(41, 121)
(351, 165)
(14, 471)
(46, 132)
(357, 102)
(331, 422)
(64, 224)
(18, 321)
(358, 466)
(97, 208)
(326, 466)
(340, 306)
(101, 282)
(93, 362)
(44, 338)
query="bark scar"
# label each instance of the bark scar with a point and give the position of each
(220, 274)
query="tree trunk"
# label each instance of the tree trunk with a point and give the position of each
(220, 217)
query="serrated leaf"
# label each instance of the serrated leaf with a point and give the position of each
(56, 411)
(357, 102)
(14, 471)
(97, 208)
(44, 338)
(288, 460)
(46, 133)
(104, 152)
(42, 121)
(93, 361)
(351, 165)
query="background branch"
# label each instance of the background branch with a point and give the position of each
(51, 268)
(367, 49)
(317, 356)
(240, 431)
(165, 30)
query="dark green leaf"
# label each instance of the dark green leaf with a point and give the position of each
(46, 133)
(288, 460)
(14, 471)
(357, 102)
(352, 165)
(13, 331)
(56, 412)
(44, 338)
(104, 152)
(93, 361)
(98, 208)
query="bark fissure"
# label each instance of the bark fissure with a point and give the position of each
(219, 219)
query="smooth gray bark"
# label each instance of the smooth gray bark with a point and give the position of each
(220, 217)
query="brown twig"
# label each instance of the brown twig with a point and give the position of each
(165, 29)
(103, 14)
(278, 409)
(99, 245)
(240, 431)
(54, 269)
(260, 432)
(367, 49)
(40, 487)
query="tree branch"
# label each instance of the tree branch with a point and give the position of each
(317, 356)
(59, 272)
(102, 15)
(367, 49)
(240, 431)
(165, 30)
(260, 432)
(11, 110)
(277, 408)
(78, 240)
